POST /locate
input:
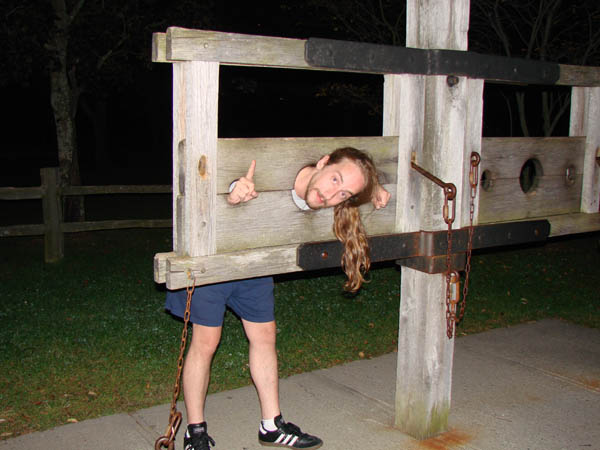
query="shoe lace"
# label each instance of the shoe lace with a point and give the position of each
(201, 441)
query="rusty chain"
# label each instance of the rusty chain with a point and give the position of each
(449, 214)
(452, 276)
(473, 181)
(168, 439)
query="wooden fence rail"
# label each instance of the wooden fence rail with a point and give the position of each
(53, 228)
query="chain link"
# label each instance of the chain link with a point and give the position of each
(452, 277)
(168, 440)
(473, 181)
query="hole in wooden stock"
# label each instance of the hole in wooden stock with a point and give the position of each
(529, 178)
(486, 180)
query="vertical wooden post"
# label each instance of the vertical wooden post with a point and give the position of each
(585, 121)
(54, 243)
(195, 116)
(178, 155)
(438, 121)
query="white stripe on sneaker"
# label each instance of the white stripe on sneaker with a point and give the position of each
(286, 439)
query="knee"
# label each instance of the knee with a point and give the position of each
(263, 337)
(203, 348)
(204, 344)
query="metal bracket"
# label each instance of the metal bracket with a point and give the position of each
(376, 58)
(426, 250)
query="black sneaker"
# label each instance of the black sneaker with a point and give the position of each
(196, 437)
(287, 435)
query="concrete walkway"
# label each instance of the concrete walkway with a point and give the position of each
(533, 386)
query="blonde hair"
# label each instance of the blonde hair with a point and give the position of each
(347, 223)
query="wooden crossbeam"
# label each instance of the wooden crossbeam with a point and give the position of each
(181, 44)
(173, 270)
(274, 219)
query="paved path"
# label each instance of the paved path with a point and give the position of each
(534, 386)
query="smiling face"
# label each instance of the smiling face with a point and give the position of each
(332, 184)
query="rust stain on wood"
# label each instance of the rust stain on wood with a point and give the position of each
(446, 441)
(592, 384)
(202, 167)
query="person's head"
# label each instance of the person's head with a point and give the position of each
(346, 176)
(345, 179)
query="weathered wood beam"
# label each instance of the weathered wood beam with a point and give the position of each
(278, 160)
(180, 44)
(438, 122)
(22, 230)
(585, 121)
(234, 49)
(195, 110)
(76, 227)
(117, 189)
(54, 241)
(273, 219)
(20, 193)
(583, 76)
(558, 163)
(231, 266)
(173, 270)
(159, 48)
(178, 152)
(573, 223)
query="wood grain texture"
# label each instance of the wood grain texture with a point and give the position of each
(585, 121)
(405, 93)
(181, 44)
(230, 266)
(197, 171)
(501, 165)
(574, 223)
(273, 219)
(159, 47)
(235, 49)
(579, 76)
(449, 121)
(278, 160)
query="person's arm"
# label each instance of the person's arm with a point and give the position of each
(243, 190)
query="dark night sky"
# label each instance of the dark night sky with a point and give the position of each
(253, 103)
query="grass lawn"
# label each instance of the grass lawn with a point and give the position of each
(89, 336)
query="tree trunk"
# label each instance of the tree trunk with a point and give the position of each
(63, 103)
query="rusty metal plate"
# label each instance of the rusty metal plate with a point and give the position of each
(321, 255)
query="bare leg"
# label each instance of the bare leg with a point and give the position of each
(196, 371)
(263, 365)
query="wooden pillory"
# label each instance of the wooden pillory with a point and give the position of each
(433, 118)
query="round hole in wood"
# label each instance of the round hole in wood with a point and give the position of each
(530, 175)
(486, 180)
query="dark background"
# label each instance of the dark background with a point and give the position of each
(254, 102)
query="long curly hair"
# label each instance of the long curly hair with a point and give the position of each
(347, 223)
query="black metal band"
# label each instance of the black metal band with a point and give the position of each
(376, 58)
(425, 244)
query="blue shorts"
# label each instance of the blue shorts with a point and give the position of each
(251, 299)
